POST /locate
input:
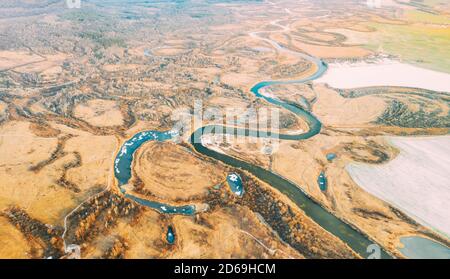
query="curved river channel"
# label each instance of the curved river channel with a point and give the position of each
(352, 237)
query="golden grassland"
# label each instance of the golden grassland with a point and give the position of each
(13, 245)
(100, 113)
(173, 173)
(188, 176)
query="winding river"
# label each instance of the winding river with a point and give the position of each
(352, 237)
(358, 241)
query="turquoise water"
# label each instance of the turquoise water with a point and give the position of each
(122, 163)
(331, 156)
(235, 183)
(122, 170)
(164, 208)
(170, 235)
(322, 181)
(416, 247)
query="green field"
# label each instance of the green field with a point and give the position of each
(425, 45)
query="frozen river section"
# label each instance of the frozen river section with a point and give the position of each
(383, 73)
(417, 181)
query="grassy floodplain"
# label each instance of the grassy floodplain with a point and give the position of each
(424, 33)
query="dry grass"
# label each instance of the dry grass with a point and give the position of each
(170, 172)
(12, 243)
(100, 113)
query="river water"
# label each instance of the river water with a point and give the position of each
(415, 247)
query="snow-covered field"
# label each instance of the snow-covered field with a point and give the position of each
(384, 72)
(417, 181)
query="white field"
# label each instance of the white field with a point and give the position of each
(384, 73)
(211, 142)
(417, 181)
